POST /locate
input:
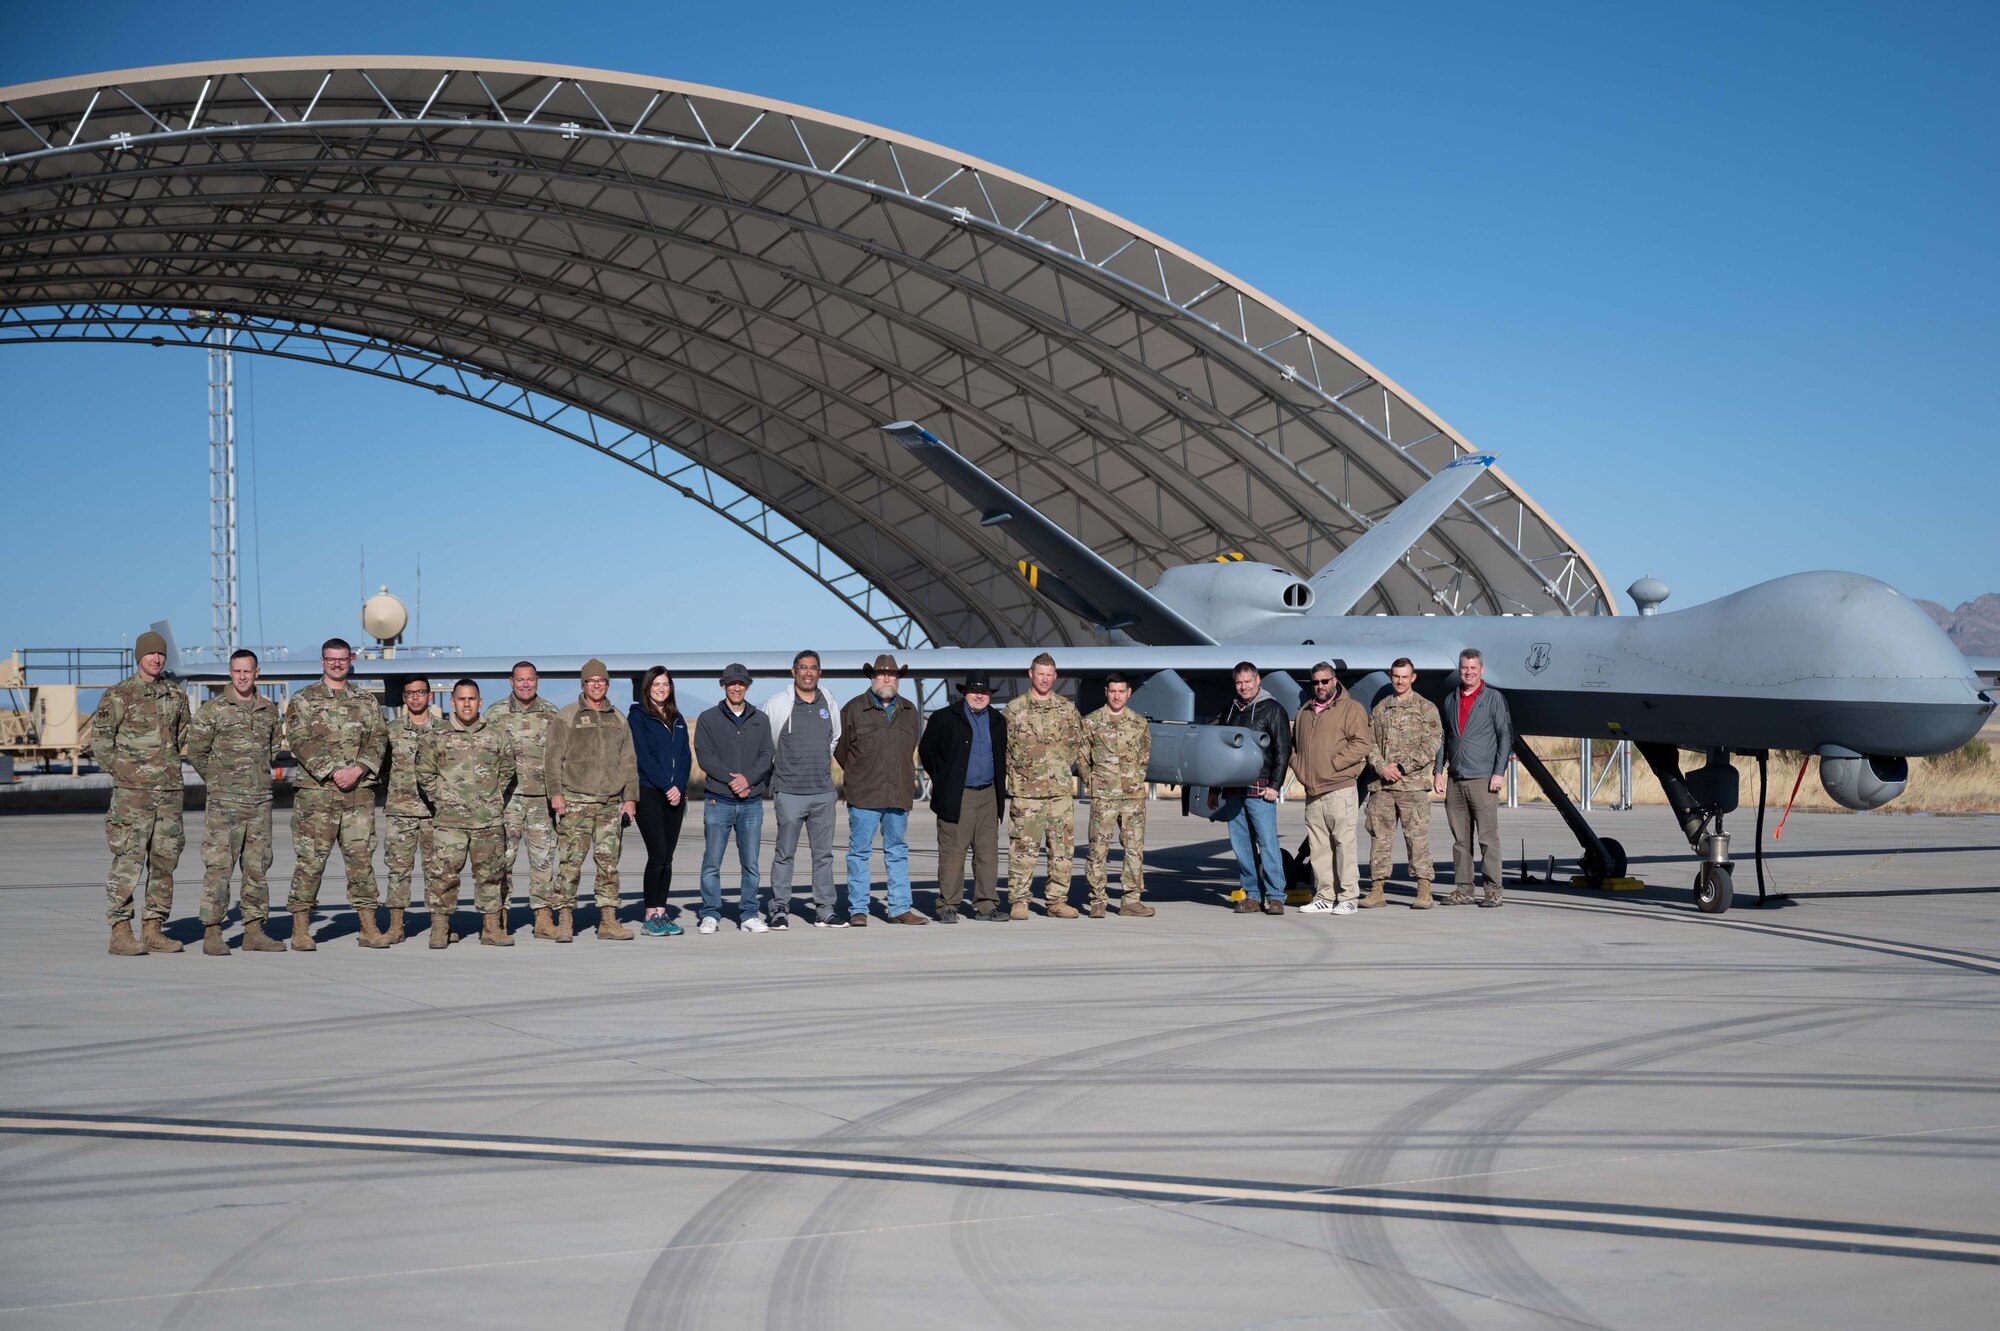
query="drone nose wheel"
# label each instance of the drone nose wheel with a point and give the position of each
(1713, 890)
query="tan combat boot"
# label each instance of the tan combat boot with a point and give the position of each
(123, 944)
(493, 933)
(1373, 899)
(608, 926)
(1096, 911)
(440, 929)
(156, 941)
(1423, 901)
(211, 941)
(1017, 910)
(566, 924)
(545, 923)
(302, 936)
(1060, 910)
(1131, 905)
(395, 934)
(256, 940)
(371, 935)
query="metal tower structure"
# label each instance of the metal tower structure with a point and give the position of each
(224, 625)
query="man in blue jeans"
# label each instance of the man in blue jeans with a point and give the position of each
(1253, 812)
(877, 753)
(732, 745)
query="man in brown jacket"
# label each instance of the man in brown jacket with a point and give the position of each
(1330, 742)
(877, 753)
(593, 777)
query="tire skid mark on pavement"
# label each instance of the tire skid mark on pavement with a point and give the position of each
(1974, 961)
(1721, 1227)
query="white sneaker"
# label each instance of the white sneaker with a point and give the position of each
(754, 925)
(1319, 906)
(1345, 908)
(707, 925)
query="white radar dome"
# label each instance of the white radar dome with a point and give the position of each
(384, 617)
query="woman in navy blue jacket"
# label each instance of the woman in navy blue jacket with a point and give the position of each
(660, 740)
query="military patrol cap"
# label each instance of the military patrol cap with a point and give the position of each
(736, 673)
(149, 642)
(593, 668)
(976, 684)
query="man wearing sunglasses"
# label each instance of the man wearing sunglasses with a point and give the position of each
(1329, 750)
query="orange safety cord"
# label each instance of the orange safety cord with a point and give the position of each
(1780, 829)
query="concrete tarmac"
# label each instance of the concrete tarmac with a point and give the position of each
(1580, 1110)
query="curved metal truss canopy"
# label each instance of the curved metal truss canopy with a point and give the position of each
(731, 294)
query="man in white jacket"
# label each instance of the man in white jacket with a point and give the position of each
(805, 725)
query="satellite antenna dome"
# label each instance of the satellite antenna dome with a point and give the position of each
(1647, 593)
(384, 617)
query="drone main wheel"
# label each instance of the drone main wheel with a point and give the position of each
(1713, 890)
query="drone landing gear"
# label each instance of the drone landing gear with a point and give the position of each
(1700, 799)
(1603, 859)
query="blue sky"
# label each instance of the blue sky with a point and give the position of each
(1716, 280)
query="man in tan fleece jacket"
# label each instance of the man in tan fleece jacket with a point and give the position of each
(1330, 741)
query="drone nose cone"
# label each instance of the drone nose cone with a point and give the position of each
(1877, 632)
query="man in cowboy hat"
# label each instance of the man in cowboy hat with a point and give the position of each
(964, 751)
(877, 754)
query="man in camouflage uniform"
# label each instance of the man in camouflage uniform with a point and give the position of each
(593, 778)
(1405, 734)
(463, 768)
(525, 716)
(234, 743)
(136, 736)
(339, 739)
(1044, 741)
(406, 814)
(1117, 745)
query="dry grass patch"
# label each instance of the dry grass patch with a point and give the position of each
(1966, 780)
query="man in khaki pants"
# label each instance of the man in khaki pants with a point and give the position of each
(1329, 749)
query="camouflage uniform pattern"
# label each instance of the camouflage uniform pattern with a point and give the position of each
(1044, 741)
(528, 820)
(591, 764)
(463, 772)
(1406, 732)
(326, 731)
(138, 733)
(1116, 749)
(595, 828)
(234, 746)
(406, 816)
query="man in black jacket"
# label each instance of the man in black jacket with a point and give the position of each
(1253, 811)
(964, 752)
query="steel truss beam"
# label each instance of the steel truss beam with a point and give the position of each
(755, 286)
(690, 479)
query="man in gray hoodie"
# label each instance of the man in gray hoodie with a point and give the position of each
(1478, 742)
(732, 746)
(805, 725)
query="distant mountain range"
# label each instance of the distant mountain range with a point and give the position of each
(1974, 626)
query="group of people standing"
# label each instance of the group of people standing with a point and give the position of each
(976, 757)
(1413, 747)
(476, 785)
